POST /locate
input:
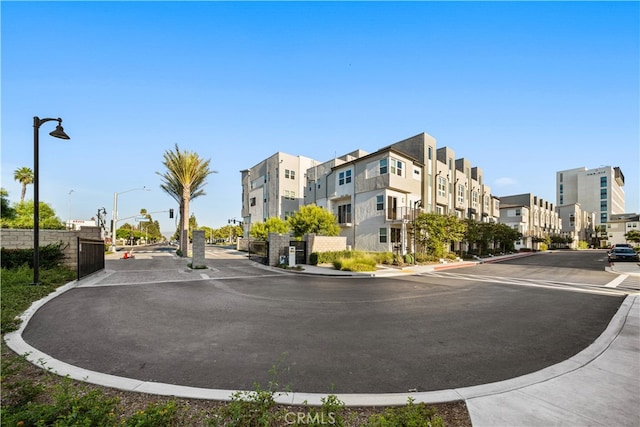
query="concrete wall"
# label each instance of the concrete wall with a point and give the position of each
(23, 239)
(324, 244)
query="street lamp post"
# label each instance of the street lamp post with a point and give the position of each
(114, 215)
(69, 211)
(57, 133)
(417, 204)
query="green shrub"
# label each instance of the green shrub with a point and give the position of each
(583, 245)
(410, 415)
(543, 247)
(49, 256)
(408, 259)
(313, 258)
(364, 263)
(383, 257)
(154, 415)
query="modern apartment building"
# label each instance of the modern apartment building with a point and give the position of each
(274, 187)
(532, 216)
(577, 224)
(619, 225)
(596, 190)
(375, 195)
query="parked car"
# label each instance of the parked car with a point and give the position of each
(621, 245)
(623, 254)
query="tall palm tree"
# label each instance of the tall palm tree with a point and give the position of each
(184, 180)
(24, 176)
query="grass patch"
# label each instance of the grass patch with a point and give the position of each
(362, 263)
(18, 292)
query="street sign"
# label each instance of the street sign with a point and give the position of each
(142, 219)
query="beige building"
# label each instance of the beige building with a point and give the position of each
(532, 216)
(577, 224)
(274, 187)
(596, 190)
(618, 226)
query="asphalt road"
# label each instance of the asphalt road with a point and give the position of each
(228, 329)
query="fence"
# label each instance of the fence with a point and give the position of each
(90, 256)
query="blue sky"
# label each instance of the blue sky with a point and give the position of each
(522, 89)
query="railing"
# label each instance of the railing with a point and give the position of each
(402, 213)
(90, 256)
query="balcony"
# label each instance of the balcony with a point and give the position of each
(401, 214)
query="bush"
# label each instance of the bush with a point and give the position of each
(364, 263)
(313, 258)
(408, 259)
(543, 246)
(383, 257)
(415, 415)
(49, 256)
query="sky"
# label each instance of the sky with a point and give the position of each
(521, 89)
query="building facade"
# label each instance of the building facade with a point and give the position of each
(273, 188)
(596, 190)
(577, 224)
(532, 216)
(618, 226)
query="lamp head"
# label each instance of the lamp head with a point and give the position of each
(59, 132)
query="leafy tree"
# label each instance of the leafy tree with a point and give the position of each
(6, 211)
(193, 225)
(184, 180)
(47, 218)
(435, 231)
(505, 236)
(274, 224)
(313, 219)
(633, 236)
(24, 176)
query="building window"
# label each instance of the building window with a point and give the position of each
(396, 235)
(286, 173)
(429, 153)
(603, 217)
(560, 177)
(397, 167)
(474, 199)
(382, 235)
(518, 212)
(344, 213)
(253, 201)
(344, 177)
(383, 166)
(416, 174)
(603, 205)
(561, 199)
(603, 181)
(392, 207)
(561, 188)
(380, 203)
(460, 194)
(442, 186)
(293, 175)
(603, 193)
(486, 203)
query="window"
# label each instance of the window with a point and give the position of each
(603, 205)
(560, 177)
(293, 175)
(397, 167)
(382, 233)
(460, 194)
(380, 203)
(286, 173)
(561, 188)
(416, 174)
(603, 181)
(396, 235)
(603, 193)
(561, 200)
(344, 214)
(392, 207)
(429, 153)
(253, 201)
(518, 212)
(344, 177)
(383, 166)
(474, 199)
(442, 186)
(486, 203)
(603, 217)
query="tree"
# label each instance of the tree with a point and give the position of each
(184, 180)
(24, 176)
(313, 219)
(435, 231)
(47, 218)
(6, 211)
(274, 224)
(633, 236)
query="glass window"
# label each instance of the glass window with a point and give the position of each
(397, 167)
(293, 174)
(383, 235)
(347, 176)
(429, 153)
(442, 186)
(344, 214)
(460, 194)
(380, 203)
(286, 173)
(341, 178)
(603, 181)
(383, 166)
(603, 193)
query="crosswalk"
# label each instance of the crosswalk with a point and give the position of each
(624, 286)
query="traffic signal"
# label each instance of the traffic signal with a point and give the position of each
(170, 213)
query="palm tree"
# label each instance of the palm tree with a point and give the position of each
(24, 176)
(184, 180)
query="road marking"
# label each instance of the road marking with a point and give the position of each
(204, 276)
(615, 282)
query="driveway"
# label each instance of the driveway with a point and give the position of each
(228, 326)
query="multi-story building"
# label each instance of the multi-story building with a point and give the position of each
(596, 190)
(532, 216)
(577, 224)
(274, 187)
(374, 195)
(619, 225)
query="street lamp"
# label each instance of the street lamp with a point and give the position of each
(114, 215)
(417, 204)
(69, 211)
(57, 133)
